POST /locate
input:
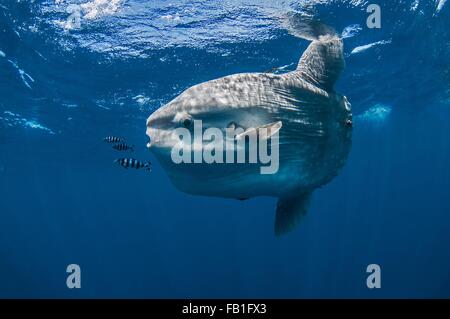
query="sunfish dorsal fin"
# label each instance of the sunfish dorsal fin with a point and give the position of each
(290, 211)
(323, 61)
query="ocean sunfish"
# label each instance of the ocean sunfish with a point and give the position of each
(312, 122)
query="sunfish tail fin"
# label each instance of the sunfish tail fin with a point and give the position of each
(290, 211)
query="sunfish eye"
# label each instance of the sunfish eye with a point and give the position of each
(182, 119)
(187, 122)
(232, 125)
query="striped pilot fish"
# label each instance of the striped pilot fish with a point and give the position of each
(123, 147)
(113, 139)
(133, 163)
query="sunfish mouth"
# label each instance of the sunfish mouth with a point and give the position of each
(152, 135)
(150, 142)
(153, 143)
(159, 138)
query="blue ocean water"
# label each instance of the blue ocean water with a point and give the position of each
(72, 72)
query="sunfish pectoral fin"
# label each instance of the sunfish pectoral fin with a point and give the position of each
(264, 131)
(290, 211)
(269, 130)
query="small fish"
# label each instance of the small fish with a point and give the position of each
(133, 163)
(113, 139)
(123, 147)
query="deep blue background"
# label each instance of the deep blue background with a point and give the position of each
(63, 201)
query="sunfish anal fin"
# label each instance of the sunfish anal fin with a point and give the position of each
(290, 211)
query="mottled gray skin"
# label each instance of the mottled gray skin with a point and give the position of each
(315, 137)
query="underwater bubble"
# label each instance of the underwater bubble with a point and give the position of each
(98, 8)
(13, 119)
(366, 47)
(377, 113)
(440, 5)
(141, 99)
(351, 31)
(36, 125)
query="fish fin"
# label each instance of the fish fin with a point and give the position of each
(303, 26)
(247, 132)
(269, 130)
(290, 211)
(323, 61)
